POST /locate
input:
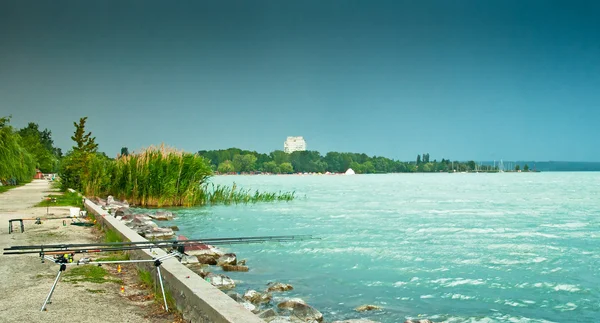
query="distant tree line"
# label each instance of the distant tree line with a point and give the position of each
(235, 160)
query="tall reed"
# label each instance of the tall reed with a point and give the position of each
(162, 176)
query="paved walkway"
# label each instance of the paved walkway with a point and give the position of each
(25, 281)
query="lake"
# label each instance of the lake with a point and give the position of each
(511, 247)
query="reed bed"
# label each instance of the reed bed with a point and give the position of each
(162, 176)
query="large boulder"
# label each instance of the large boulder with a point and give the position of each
(279, 287)
(162, 216)
(240, 300)
(227, 259)
(301, 310)
(257, 298)
(207, 259)
(220, 281)
(234, 268)
(367, 307)
(267, 314)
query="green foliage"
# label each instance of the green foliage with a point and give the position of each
(40, 145)
(313, 162)
(226, 167)
(124, 151)
(17, 165)
(517, 168)
(526, 168)
(84, 142)
(88, 273)
(66, 199)
(244, 163)
(116, 256)
(112, 236)
(75, 166)
(215, 194)
(286, 168)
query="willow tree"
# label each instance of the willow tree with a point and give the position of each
(17, 165)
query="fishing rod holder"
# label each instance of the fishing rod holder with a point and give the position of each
(67, 259)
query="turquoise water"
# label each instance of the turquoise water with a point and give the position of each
(448, 247)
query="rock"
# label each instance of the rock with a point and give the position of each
(227, 259)
(207, 259)
(234, 268)
(220, 281)
(242, 262)
(355, 321)
(289, 303)
(174, 228)
(162, 216)
(186, 259)
(240, 300)
(301, 310)
(257, 298)
(367, 307)
(267, 314)
(123, 212)
(278, 287)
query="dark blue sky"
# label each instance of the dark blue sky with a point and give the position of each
(476, 80)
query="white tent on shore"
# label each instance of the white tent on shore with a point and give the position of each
(350, 171)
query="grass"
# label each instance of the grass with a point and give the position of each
(117, 256)
(111, 236)
(66, 199)
(5, 188)
(92, 274)
(146, 279)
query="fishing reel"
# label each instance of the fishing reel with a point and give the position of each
(64, 258)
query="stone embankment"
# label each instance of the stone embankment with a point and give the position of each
(258, 304)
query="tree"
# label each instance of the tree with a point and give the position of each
(286, 168)
(124, 151)
(517, 168)
(75, 166)
(226, 167)
(418, 159)
(85, 142)
(271, 167)
(244, 163)
(40, 145)
(526, 168)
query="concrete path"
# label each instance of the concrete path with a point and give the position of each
(25, 281)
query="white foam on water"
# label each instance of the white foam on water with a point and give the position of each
(566, 307)
(427, 296)
(399, 284)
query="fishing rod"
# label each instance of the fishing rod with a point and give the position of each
(205, 241)
(150, 245)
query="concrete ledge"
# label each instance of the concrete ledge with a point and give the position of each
(198, 300)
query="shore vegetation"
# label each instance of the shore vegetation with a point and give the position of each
(154, 177)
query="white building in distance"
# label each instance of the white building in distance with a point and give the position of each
(294, 144)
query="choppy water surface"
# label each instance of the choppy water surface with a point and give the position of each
(448, 247)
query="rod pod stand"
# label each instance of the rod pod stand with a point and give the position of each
(62, 268)
(63, 261)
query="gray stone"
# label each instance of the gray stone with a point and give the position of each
(279, 287)
(367, 307)
(301, 310)
(257, 298)
(220, 281)
(227, 259)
